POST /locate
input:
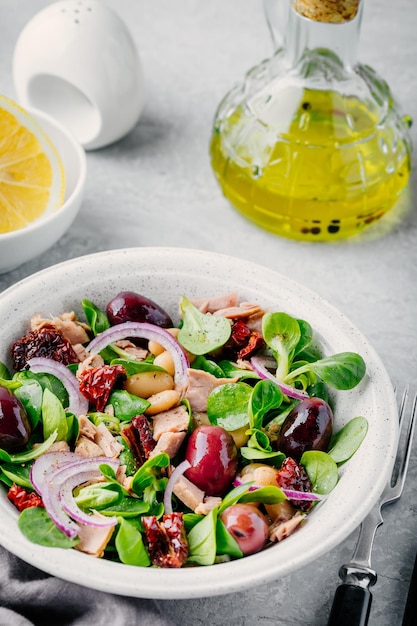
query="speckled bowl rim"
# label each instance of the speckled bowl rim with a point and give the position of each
(164, 274)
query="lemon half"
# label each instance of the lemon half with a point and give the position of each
(32, 180)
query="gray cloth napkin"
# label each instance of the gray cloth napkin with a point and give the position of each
(29, 597)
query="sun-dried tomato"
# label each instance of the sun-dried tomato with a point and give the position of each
(97, 383)
(293, 476)
(46, 342)
(141, 423)
(166, 540)
(255, 342)
(23, 499)
(243, 342)
(138, 436)
(240, 333)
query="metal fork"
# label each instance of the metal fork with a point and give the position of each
(352, 600)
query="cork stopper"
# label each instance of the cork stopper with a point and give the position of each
(331, 11)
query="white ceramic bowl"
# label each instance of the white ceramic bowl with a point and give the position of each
(163, 274)
(20, 246)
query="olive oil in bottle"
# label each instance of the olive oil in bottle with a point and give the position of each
(312, 149)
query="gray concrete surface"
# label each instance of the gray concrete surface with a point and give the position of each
(155, 187)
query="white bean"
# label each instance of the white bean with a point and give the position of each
(165, 360)
(162, 401)
(155, 348)
(148, 384)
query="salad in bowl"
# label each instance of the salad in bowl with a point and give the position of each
(184, 434)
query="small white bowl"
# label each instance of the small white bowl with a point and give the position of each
(20, 246)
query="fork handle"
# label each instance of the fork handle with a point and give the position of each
(411, 606)
(351, 606)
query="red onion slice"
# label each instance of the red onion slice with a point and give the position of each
(291, 494)
(253, 486)
(78, 404)
(147, 331)
(259, 368)
(42, 476)
(54, 474)
(57, 514)
(301, 495)
(72, 509)
(178, 471)
(48, 464)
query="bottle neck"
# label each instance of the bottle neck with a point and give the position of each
(304, 35)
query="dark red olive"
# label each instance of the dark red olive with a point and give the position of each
(248, 525)
(129, 306)
(308, 426)
(14, 424)
(212, 454)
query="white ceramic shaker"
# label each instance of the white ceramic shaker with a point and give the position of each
(77, 61)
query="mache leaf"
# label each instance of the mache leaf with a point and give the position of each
(202, 333)
(36, 525)
(345, 442)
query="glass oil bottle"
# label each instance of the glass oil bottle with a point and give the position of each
(312, 145)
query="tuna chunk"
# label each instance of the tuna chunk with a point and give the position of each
(188, 493)
(59, 446)
(67, 324)
(282, 529)
(123, 479)
(210, 502)
(81, 352)
(243, 311)
(105, 440)
(87, 448)
(210, 305)
(87, 360)
(200, 386)
(170, 443)
(135, 352)
(173, 421)
(92, 437)
(86, 427)
(228, 306)
(93, 540)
